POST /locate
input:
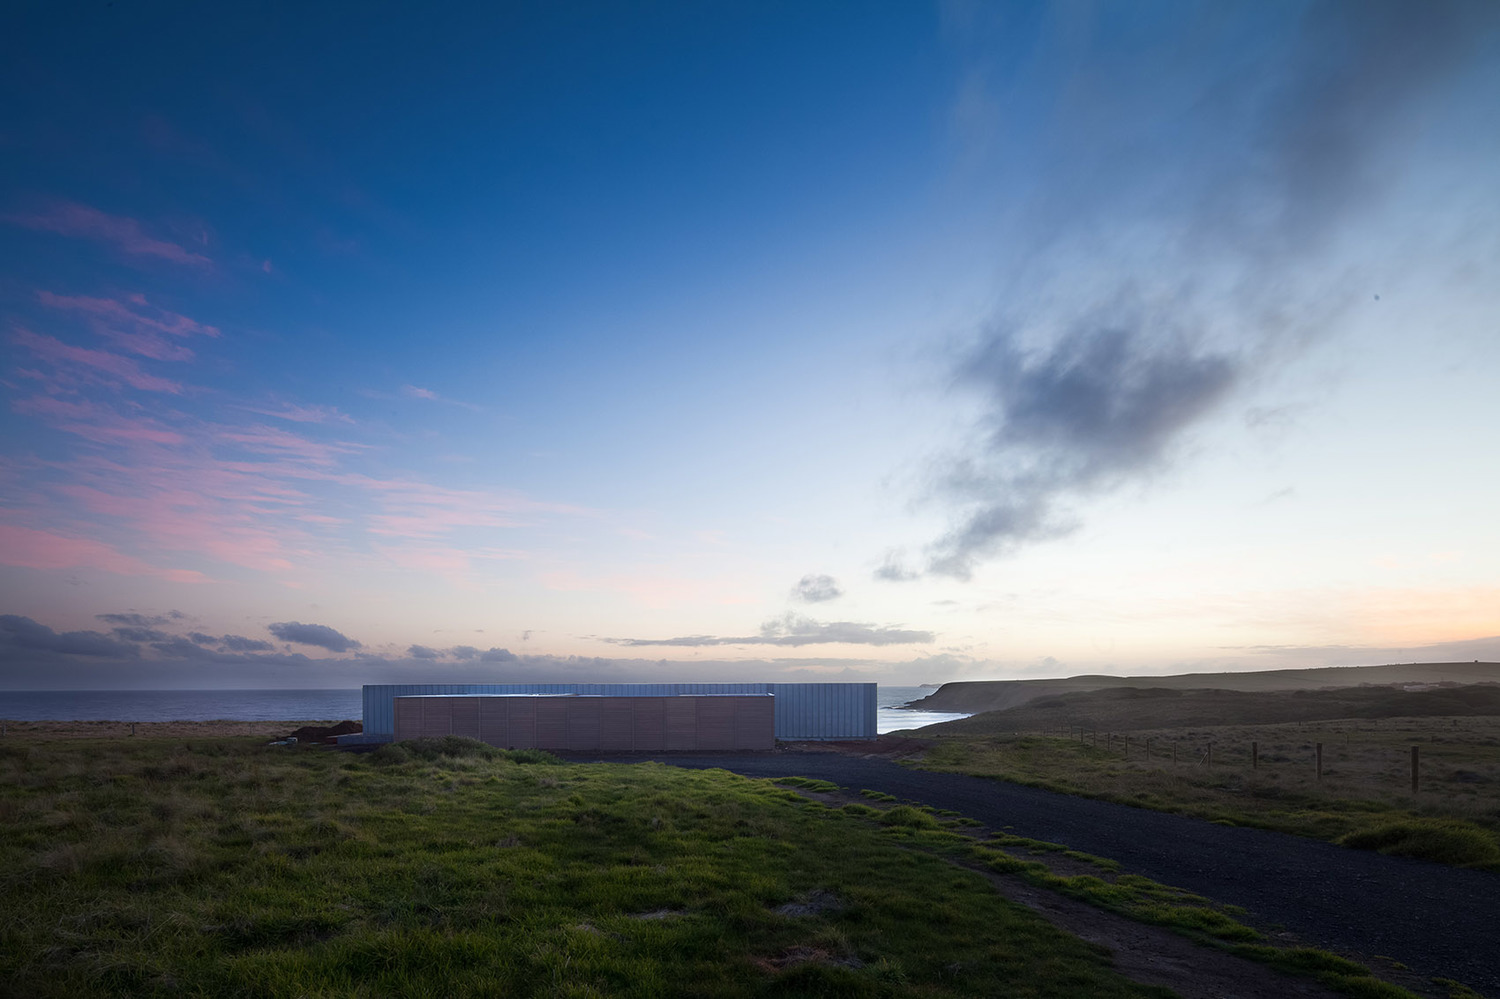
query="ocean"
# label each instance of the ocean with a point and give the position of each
(300, 705)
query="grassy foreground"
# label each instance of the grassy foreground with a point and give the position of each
(1363, 799)
(227, 868)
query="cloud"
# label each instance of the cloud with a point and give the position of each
(428, 395)
(817, 589)
(304, 414)
(125, 234)
(320, 635)
(463, 652)
(177, 647)
(895, 570)
(1162, 275)
(133, 620)
(239, 643)
(34, 549)
(112, 367)
(134, 324)
(139, 634)
(22, 634)
(423, 652)
(794, 630)
(232, 643)
(1083, 415)
(497, 656)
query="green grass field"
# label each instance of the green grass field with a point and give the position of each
(227, 868)
(1363, 798)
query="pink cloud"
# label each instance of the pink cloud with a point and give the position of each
(269, 440)
(247, 494)
(23, 546)
(305, 414)
(72, 219)
(417, 392)
(134, 324)
(94, 422)
(123, 368)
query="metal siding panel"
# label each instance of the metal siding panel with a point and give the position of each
(437, 718)
(522, 714)
(551, 723)
(465, 712)
(617, 723)
(681, 723)
(715, 722)
(408, 719)
(494, 721)
(650, 723)
(583, 723)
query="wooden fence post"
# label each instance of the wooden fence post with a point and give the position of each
(1254, 756)
(1320, 761)
(1148, 749)
(1208, 757)
(1414, 770)
(1127, 747)
(1174, 750)
(132, 728)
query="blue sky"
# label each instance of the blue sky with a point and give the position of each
(911, 343)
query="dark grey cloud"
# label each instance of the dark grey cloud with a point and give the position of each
(463, 652)
(1103, 358)
(816, 588)
(423, 652)
(139, 634)
(1092, 411)
(239, 643)
(134, 620)
(320, 635)
(795, 630)
(178, 647)
(20, 634)
(498, 656)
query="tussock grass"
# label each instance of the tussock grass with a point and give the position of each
(226, 868)
(1364, 794)
(1441, 840)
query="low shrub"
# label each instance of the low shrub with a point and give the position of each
(391, 753)
(528, 756)
(450, 747)
(1446, 841)
(908, 817)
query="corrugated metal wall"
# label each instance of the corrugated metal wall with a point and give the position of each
(618, 724)
(803, 710)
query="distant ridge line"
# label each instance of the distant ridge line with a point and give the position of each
(997, 695)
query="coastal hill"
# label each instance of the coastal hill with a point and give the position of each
(1126, 709)
(974, 696)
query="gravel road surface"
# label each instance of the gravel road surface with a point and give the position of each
(1439, 921)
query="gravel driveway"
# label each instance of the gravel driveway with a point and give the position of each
(1437, 920)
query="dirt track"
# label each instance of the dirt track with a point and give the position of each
(1437, 920)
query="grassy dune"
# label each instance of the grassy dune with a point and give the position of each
(223, 867)
(1132, 709)
(1362, 800)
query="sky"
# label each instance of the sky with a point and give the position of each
(908, 342)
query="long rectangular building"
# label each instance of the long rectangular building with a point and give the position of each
(810, 711)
